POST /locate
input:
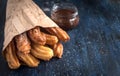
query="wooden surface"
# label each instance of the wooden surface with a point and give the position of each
(94, 48)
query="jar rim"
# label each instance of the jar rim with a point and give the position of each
(58, 6)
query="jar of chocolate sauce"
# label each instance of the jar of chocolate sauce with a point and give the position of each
(65, 15)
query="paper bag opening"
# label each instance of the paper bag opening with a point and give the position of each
(21, 16)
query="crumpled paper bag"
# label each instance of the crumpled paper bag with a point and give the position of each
(23, 15)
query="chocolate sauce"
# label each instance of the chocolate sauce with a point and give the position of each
(65, 18)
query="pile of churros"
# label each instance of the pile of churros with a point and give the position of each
(34, 45)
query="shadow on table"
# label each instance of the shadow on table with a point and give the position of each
(3, 67)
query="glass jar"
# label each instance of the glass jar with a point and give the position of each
(65, 15)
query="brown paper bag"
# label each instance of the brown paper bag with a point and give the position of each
(23, 15)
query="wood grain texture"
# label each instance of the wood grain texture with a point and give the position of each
(94, 48)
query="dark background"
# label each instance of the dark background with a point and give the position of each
(94, 48)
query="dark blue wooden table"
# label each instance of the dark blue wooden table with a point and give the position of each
(94, 48)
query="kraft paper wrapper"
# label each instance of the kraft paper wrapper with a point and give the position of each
(23, 15)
